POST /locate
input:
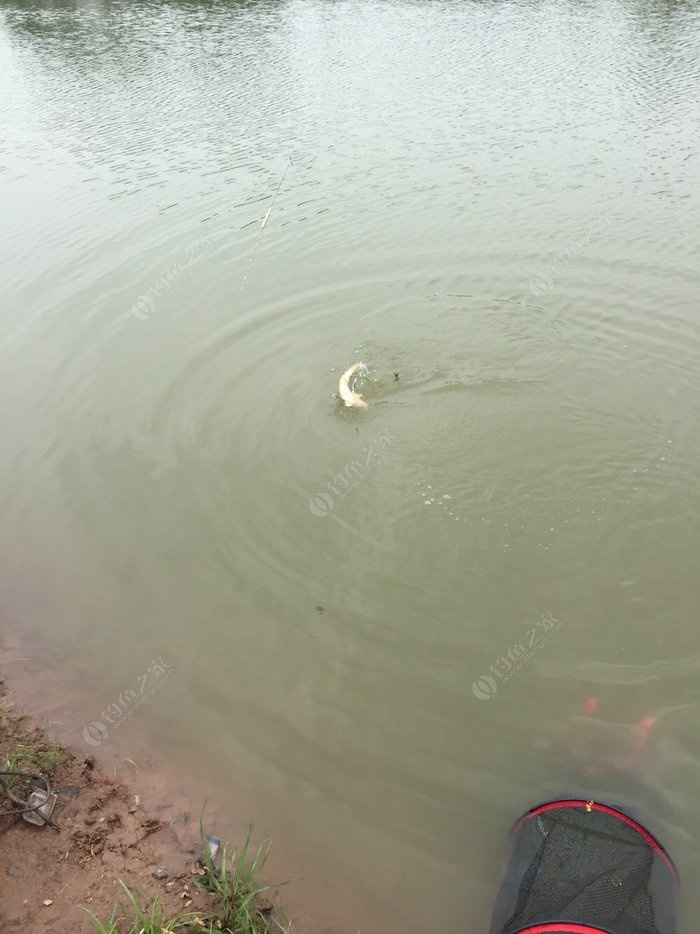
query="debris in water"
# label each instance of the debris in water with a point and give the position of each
(213, 845)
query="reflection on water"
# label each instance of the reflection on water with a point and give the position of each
(210, 211)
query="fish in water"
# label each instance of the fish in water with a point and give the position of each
(353, 400)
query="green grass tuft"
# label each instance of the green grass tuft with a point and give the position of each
(31, 759)
(148, 919)
(239, 908)
(234, 885)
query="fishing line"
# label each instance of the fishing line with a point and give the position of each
(263, 225)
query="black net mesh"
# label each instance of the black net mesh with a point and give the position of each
(584, 864)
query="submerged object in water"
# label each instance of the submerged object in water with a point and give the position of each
(353, 400)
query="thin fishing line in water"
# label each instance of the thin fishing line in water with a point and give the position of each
(263, 225)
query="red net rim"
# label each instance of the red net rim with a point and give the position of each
(562, 927)
(605, 809)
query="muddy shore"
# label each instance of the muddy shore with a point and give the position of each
(50, 875)
(172, 782)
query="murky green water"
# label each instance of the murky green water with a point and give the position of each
(499, 203)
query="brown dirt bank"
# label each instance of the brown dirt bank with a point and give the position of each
(173, 780)
(103, 835)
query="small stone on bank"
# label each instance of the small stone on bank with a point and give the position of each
(47, 902)
(160, 873)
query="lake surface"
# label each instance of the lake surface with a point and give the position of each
(209, 211)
